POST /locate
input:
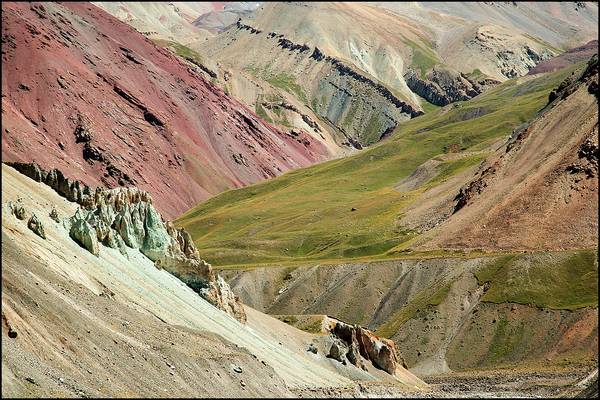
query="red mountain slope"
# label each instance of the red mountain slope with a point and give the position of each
(86, 93)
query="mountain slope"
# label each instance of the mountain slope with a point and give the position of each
(535, 310)
(79, 324)
(172, 20)
(84, 92)
(313, 66)
(541, 190)
(373, 202)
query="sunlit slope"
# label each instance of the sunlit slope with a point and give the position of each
(352, 207)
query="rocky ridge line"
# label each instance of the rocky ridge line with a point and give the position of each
(441, 86)
(125, 217)
(342, 68)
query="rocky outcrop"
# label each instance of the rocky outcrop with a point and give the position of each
(126, 217)
(513, 55)
(474, 188)
(71, 190)
(36, 226)
(84, 233)
(569, 85)
(359, 345)
(442, 86)
(350, 99)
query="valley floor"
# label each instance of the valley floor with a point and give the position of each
(476, 384)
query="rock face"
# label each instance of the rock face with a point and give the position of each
(84, 234)
(70, 189)
(442, 86)
(126, 217)
(358, 345)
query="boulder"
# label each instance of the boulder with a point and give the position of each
(357, 345)
(84, 234)
(36, 226)
(19, 211)
(54, 215)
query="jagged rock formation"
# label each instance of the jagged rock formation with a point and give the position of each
(357, 345)
(72, 190)
(442, 86)
(358, 107)
(36, 226)
(126, 217)
(85, 234)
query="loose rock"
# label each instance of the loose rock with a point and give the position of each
(36, 226)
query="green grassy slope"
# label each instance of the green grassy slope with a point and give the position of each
(307, 214)
(548, 280)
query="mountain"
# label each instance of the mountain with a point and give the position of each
(180, 21)
(217, 21)
(343, 61)
(469, 237)
(379, 202)
(569, 57)
(166, 20)
(88, 94)
(112, 322)
(328, 69)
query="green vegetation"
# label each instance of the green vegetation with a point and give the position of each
(432, 295)
(288, 83)
(505, 341)
(560, 281)
(423, 58)
(181, 50)
(306, 215)
(261, 112)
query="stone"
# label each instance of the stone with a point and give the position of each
(237, 369)
(36, 226)
(358, 344)
(312, 348)
(54, 215)
(19, 211)
(84, 234)
(337, 351)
